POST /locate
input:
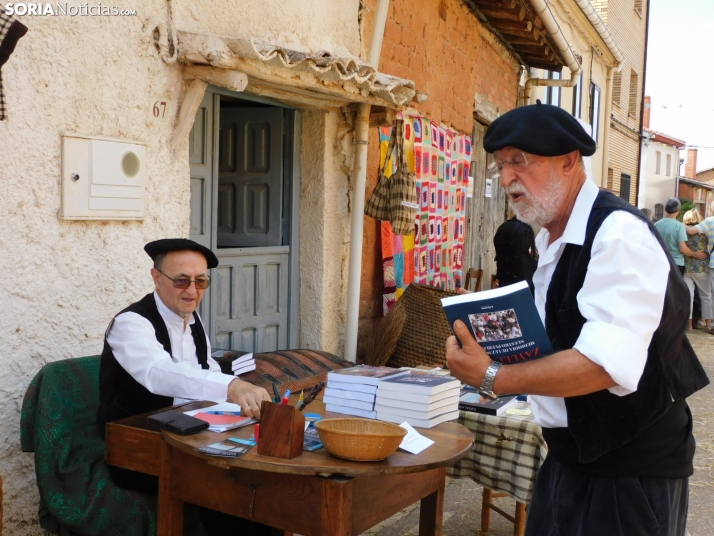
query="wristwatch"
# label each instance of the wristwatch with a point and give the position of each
(486, 389)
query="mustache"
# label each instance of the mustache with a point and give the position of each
(516, 189)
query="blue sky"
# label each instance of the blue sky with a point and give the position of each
(680, 73)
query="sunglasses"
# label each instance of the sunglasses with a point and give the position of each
(201, 284)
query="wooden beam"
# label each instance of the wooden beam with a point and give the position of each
(187, 113)
(227, 78)
(532, 34)
(508, 4)
(515, 40)
(381, 117)
(534, 50)
(507, 25)
(516, 13)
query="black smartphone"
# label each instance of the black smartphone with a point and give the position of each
(177, 422)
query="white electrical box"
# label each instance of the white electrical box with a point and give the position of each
(102, 179)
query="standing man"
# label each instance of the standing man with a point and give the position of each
(156, 354)
(516, 255)
(674, 235)
(611, 399)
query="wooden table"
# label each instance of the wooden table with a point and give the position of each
(313, 494)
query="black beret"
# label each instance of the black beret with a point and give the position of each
(540, 129)
(167, 245)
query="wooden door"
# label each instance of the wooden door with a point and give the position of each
(484, 214)
(200, 157)
(250, 177)
(250, 295)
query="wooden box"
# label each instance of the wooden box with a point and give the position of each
(282, 431)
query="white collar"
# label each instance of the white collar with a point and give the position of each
(576, 227)
(167, 314)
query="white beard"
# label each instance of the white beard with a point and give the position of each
(538, 210)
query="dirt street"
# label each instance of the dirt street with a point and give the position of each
(462, 509)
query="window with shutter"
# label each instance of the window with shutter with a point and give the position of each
(625, 181)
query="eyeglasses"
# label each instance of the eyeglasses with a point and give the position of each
(201, 284)
(518, 162)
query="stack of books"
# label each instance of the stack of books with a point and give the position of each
(353, 390)
(419, 398)
(234, 362)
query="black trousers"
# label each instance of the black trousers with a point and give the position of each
(214, 523)
(568, 502)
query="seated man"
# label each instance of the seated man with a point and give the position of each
(156, 354)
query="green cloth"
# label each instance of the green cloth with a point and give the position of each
(77, 495)
(673, 232)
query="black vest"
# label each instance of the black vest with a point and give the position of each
(120, 395)
(601, 422)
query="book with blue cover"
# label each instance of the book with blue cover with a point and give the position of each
(504, 321)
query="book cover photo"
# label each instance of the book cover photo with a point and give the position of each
(504, 321)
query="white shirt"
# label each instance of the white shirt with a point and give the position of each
(133, 341)
(622, 297)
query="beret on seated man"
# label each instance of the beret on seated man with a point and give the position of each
(611, 399)
(157, 354)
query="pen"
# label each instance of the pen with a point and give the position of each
(230, 413)
(276, 393)
(286, 397)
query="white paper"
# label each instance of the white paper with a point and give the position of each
(414, 442)
(221, 406)
(489, 186)
(470, 188)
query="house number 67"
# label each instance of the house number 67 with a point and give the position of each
(159, 109)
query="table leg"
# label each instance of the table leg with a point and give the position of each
(519, 527)
(337, 507)
(431, 513)
(170, 515)
(486, 509)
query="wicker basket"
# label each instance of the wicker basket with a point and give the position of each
(414, 331)
(362, 440)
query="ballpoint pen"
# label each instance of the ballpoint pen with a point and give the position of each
(276, 393)
(229, 413)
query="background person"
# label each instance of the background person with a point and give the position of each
(697, 271)
(516, 255)
(707, 228)
(674, 234)
(611, 399)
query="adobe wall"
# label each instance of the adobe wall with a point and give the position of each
(64, 280)
(458, 62)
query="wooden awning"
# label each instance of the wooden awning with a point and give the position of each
(517, 26)
(303, 78)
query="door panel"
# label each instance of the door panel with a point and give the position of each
(250, 177)
(200, 157)
(252, 310)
